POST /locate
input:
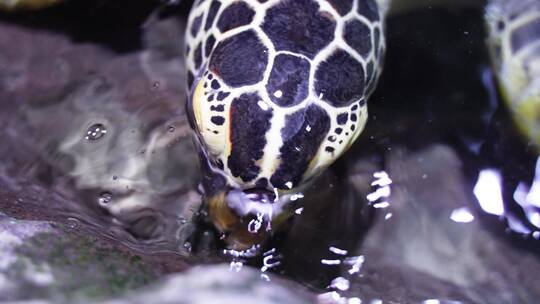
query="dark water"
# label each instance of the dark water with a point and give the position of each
(423, 207)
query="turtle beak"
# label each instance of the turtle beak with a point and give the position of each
(239, 231)
(247, 217)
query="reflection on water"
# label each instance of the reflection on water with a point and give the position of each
(462, 215)
(489, 193)
(413, 213)
(529, 197)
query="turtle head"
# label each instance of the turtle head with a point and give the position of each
(515, 52)
(277, 100)
(255, 154)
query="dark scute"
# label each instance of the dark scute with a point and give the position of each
(222, 95)
(300, 148)
(209, 45)
(293, 125)
(214, 7)
(368, 9)
(218, 108)
(340, 79)
(240, 60)
(341, 6)
(249, 124)
(290, 75)
(525, 34)
(217, 120)
(196, 26)
(338, 130)
(329, 149)
(215, 85)
(197, 56)
(235, 15)
(342, 118)
(298, 26)
(353, 117)
(210, 98)
(358, 36)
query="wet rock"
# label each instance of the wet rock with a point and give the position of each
(52, 102)
(210, 284)
(44, 261)
(421, 251)
(53, 91)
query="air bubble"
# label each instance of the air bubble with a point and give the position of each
(72, 223)
(171, 129)
(236, 266)
(105, 198)
(95, 132)
(155, 85)
(254, 226)
(340, 283)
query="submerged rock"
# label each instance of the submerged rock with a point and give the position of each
(220, 284)
(40, 260)
(80, 121)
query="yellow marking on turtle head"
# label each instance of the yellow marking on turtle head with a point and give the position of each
(215, 142)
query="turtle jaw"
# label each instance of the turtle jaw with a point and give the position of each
(233, 227)
(246, 218)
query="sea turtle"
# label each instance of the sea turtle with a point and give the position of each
(279, 90)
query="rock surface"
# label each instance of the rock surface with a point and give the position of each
(41, 260)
